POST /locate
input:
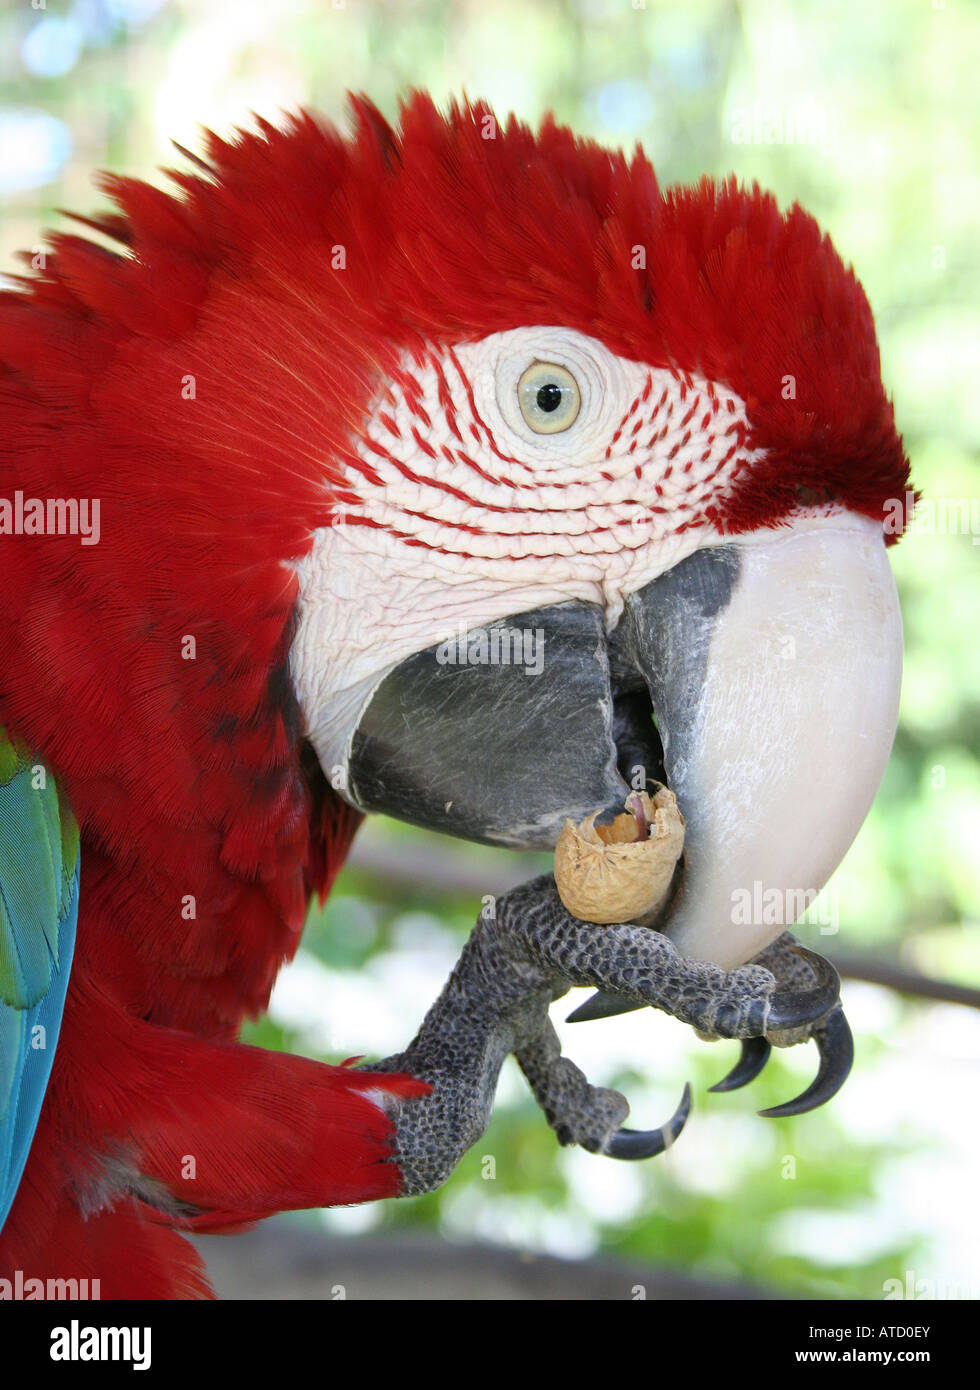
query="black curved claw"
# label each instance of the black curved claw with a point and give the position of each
(792, 1008)
(835, 1044)
(752, 1058)
(602, 1005)
(647, 1143)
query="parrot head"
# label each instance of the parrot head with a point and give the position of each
(571, 484)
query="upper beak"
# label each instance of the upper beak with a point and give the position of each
(772, 668)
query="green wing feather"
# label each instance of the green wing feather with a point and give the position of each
(39, 865)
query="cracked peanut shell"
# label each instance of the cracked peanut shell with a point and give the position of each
(621, 872)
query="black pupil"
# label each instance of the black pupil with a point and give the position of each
(549, 397)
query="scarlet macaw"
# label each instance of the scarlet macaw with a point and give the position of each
(329, 402)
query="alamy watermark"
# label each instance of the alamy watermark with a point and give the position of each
(808, 123)
(27, 1288)
(781, 907)
(494, 645)
(51, 516)
(912, 1287)
(932, 516)
(78, 1342)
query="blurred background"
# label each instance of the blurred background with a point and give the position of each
(868, 115)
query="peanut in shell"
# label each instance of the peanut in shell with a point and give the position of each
(621, 872)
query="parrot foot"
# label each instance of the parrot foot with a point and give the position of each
(796, 969)
(591, 1116)
(800, 976)
(525, 951)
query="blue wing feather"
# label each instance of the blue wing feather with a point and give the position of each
(39, 878)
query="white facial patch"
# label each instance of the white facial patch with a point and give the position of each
(465, 514)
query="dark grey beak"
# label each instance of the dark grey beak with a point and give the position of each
(496, 734)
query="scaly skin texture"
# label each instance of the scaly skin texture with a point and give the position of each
(526, 951)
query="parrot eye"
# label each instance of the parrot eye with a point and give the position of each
(549, 397)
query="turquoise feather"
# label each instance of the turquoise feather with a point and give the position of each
(39, 873)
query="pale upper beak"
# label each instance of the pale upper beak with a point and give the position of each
(777, 710)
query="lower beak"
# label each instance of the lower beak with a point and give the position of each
(759, 679)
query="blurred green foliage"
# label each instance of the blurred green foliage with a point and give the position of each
(868, 115)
